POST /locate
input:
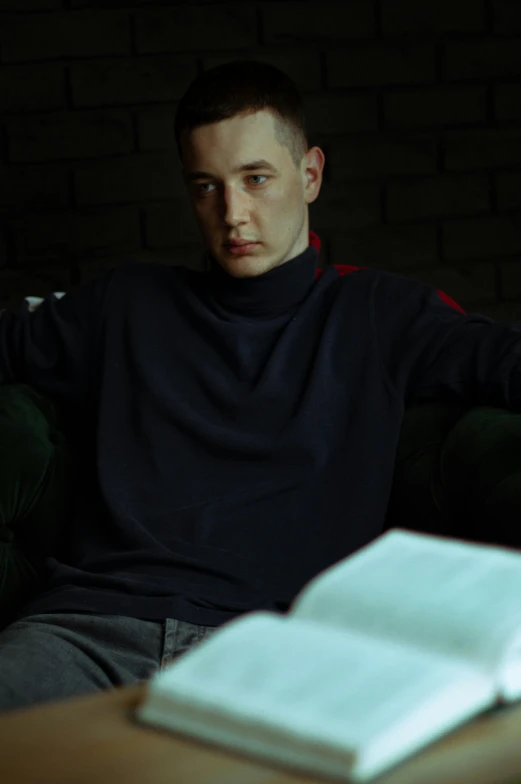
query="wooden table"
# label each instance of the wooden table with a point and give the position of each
(94, 740)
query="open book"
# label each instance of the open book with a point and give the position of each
(379, 655)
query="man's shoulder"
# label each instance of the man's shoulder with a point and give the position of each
(148, 269)
(369, 276)
(135, 273)
(395, 287)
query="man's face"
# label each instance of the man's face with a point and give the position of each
(265, 205)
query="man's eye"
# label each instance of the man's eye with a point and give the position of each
(202, 185)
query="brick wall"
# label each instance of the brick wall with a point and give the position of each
(417, 106)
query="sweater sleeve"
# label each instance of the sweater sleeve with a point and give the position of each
(432, 350)
(53, 347)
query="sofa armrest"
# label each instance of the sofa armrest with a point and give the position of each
(36, 492)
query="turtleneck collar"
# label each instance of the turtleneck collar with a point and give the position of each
(273, 293)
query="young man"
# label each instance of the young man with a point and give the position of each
(239, 426)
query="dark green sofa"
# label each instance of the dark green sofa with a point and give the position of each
(458, 472)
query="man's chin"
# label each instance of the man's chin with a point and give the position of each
(244, 266)
(244, 269)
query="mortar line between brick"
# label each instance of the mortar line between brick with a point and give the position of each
(71, 189)
(383, 204)
(498, 281)
(489, 15)
(439, 243)
(439, 63)
(135, 132)
(489, 104)
(492, 193)
(440, 155)
(377, 18)
(143, 228)
(67, 81)
(10, 246)
(133, 37)
(4, 144)
(322, 64)
(380, 116)
(259, 21)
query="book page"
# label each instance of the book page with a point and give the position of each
(313, 697)
(444, 594)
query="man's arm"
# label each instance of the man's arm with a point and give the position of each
(51, 347)
(433, 351)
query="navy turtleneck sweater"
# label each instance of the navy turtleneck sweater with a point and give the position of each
(237, 435)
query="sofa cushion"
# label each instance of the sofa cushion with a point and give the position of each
(35, 492)
(418, 498)
(481, 466)
(458, 473)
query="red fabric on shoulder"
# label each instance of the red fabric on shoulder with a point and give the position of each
(346, 269)
(314, 240)
(343, 269)
(449, 301)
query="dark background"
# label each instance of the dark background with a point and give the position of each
(416, 104)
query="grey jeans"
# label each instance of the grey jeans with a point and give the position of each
(53, 656)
